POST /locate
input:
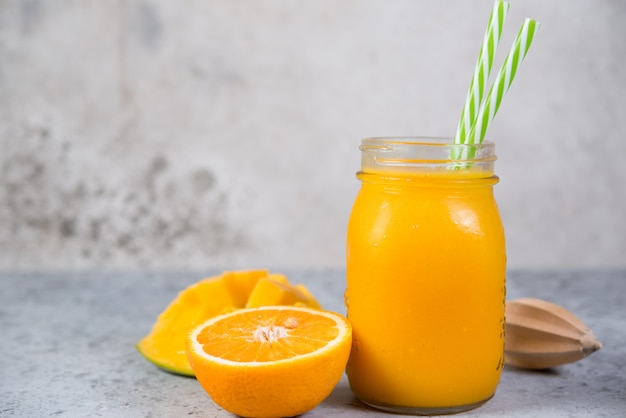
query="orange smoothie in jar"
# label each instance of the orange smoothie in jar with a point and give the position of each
(425, 278)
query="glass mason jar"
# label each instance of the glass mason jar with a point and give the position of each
(425, 277)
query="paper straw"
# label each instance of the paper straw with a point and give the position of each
(503, 80)
(478, 85)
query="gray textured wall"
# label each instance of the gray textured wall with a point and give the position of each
(224, 133)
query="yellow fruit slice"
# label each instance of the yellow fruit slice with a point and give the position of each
(271, 292)
(165, 344)
(277, 361)
(280, 278)
(310, 300)
(241, 283)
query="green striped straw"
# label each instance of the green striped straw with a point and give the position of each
(503, 80)
(478, 85)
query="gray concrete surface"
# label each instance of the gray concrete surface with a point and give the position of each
(224, 134)
(68, 341)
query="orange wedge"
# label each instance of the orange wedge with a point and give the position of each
(277, 361)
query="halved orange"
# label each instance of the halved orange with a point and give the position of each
(277, 361)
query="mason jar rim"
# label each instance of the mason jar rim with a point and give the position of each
(425, 151)
(436, 141)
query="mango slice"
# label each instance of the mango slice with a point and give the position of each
(164, 346)
(241, 283)
(269, 291)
